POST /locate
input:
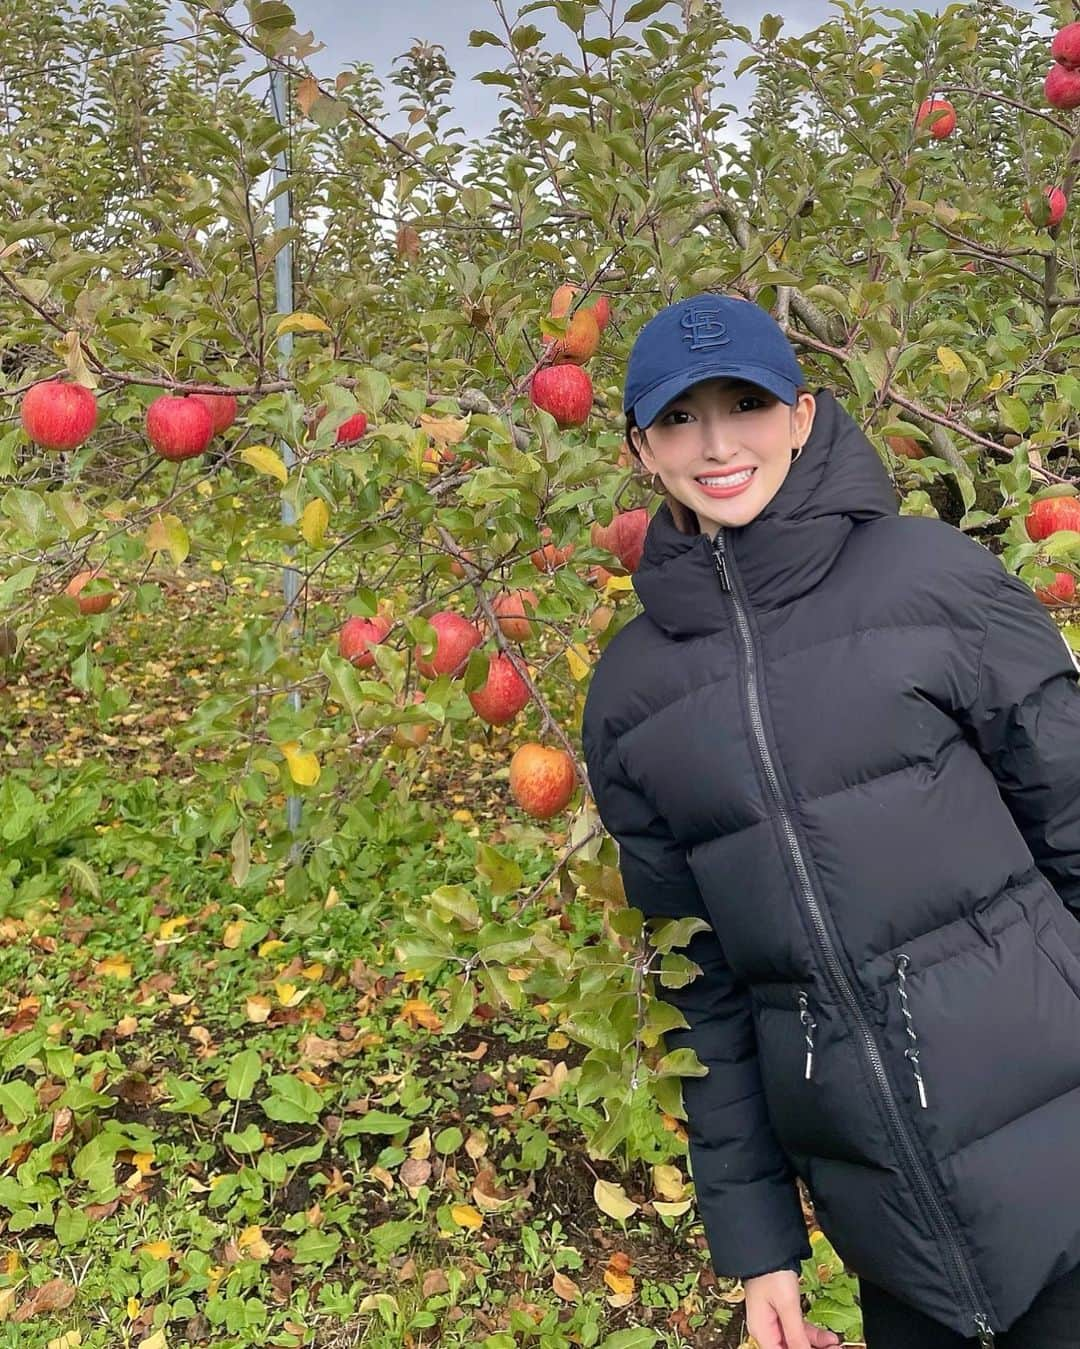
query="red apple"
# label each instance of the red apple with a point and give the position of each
(906, 447)
(350, 430)
(502, 696)
(456, 638)
(509, 608)
(542, 779)
(178, 427)
(1061, 590)
(1050, 514)
(57, 415)
(625, 536)
(455, 565)
(222, 409)
(1062, 87)
(939, 114)
(90, 604)
(565, 391)
(549, 557)
(1065, 47)
(359, 634)
(600, 576)
(1058, 203)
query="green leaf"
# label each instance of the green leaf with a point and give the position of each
(480, 37)
(18, 1102)
(293, 1101)
(247, 1142)
(644, 9)
(1015, 413)
(71, 1226)
(525, 37)
(316, 1247)
(244, 1071)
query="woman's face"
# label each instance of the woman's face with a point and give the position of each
(717, 426)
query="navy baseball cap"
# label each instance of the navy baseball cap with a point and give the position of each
(702, 337)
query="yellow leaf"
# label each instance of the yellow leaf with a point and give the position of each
(950, 362)
(314, 520)
(265, 460)
(668, 1182)
(168, 535)
(612, 1200)
(314, 970)
(270, 944)
(577, 657)
(169, 928)
(675, 1210)
(115, 967)
(466, 1216)
(302, 764)
(156, 1250)
(234, 933)
(299, 322)
(257, 1008)
(252, 1241)
(557, 1040)
(618, 1282)
(617, 583)
(143, 1162)
(134, 1306)
(445, 430)
(155, 1341)
(70, 1339)
(288, 994)
(877, 69)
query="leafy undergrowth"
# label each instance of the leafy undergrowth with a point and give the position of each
(228, 1118)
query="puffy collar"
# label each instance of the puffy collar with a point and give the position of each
(837, 481)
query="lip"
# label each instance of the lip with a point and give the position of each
(720, 493)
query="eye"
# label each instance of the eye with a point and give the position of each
(751, 398)
(677, 412)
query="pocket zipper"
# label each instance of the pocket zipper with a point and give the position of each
(811, 1025)
(903, 960)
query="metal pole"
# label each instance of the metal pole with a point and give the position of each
(284, 304)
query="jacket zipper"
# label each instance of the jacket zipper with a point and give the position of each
(924, 1186)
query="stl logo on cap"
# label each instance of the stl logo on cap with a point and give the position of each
(705, 327)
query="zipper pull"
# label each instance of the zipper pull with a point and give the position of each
(721, 561)
(985, 1334)
(811, 1025)
(903, 960)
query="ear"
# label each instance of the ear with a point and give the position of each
(802, 417)
(640, 443)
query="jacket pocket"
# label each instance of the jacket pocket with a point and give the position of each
(911, 1052)
(1052, 945)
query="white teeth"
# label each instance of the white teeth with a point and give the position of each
(728, 480)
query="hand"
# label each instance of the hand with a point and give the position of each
(774, 1314)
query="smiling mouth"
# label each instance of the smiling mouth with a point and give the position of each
(727, 479)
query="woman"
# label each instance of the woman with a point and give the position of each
(849, 742)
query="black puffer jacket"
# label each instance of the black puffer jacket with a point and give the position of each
(851, 741)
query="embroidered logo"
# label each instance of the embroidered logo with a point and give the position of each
(705, 329)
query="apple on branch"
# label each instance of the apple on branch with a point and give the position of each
(542, 779)
(503, 694)
(455, 638)
(98, 600)
(58, 415)
(179, 427)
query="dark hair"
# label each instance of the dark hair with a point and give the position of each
(686, 520)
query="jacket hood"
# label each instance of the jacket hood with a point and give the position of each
(837, 482)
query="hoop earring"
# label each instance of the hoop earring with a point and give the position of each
(653, 483)
(796, 450)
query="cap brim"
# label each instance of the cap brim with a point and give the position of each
(649, 406)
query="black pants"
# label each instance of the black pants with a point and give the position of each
(1051, 1322)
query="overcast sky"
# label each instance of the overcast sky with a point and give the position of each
(358, 30)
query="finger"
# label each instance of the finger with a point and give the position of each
(794, 1330)
(820, 1338)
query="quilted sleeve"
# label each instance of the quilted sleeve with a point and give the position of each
(746, 1191)
(1024, 718)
